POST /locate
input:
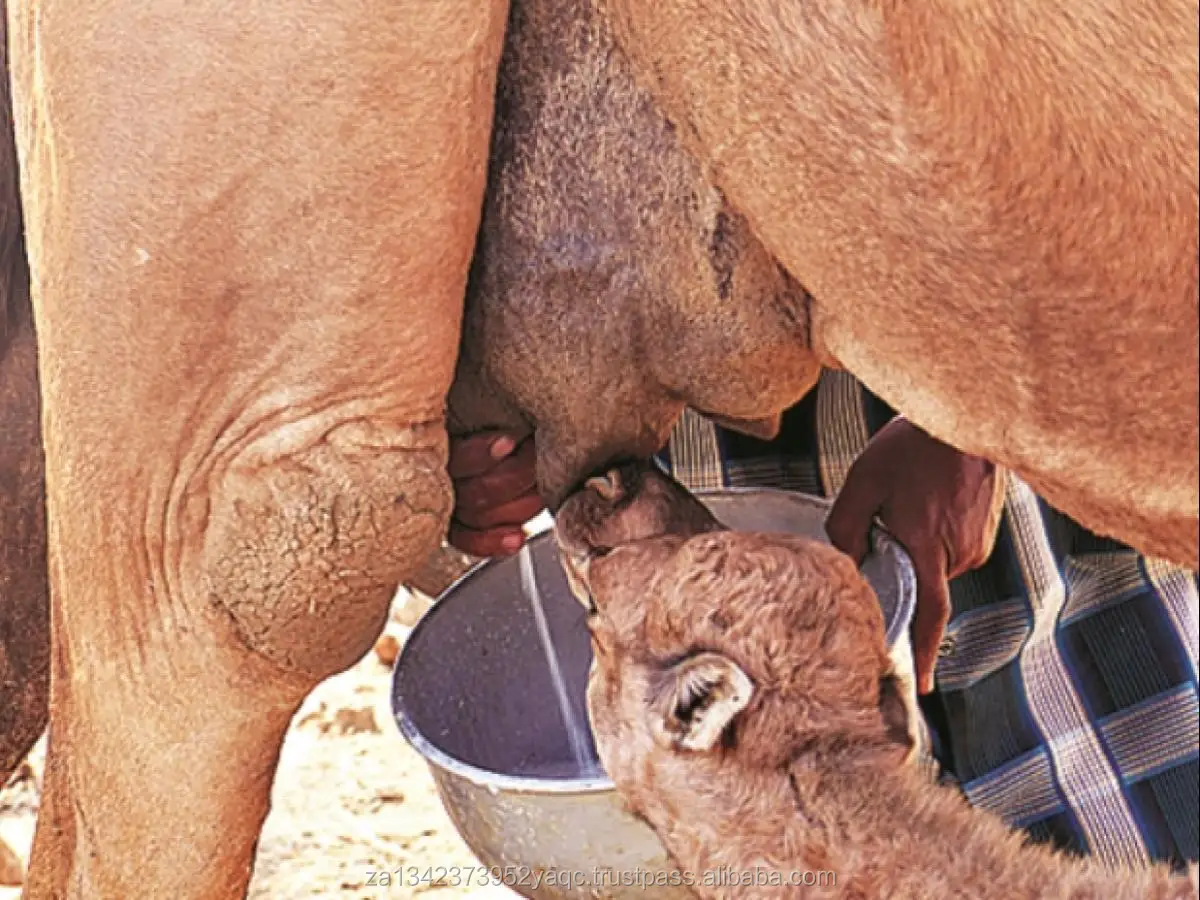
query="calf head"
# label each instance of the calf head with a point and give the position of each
(631, 503)
(719, 648)
(611, 284)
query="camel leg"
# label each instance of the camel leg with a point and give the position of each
(24, 600)
(24, 586)
(250, 236)
(24, 589)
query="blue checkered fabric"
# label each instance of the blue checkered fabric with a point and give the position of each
(1066, 696)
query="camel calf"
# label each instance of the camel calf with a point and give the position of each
(744, 706)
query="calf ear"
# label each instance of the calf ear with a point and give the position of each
(610, 486)
(697, 701)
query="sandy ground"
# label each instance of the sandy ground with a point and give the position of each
(351, 798)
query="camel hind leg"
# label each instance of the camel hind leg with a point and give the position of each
(24, 582)
(24, 586)
(24, 589)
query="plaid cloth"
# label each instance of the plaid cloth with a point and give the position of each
(1066, 697)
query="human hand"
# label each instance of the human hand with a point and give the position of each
(495, 492)
(942, 505)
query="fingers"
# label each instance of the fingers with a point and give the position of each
(850, 519)
(511, 513)
(495, 531)
(495, 542)
(511, 479)
(477, 453)
(932, 616)
(495, 493)
(987, 516)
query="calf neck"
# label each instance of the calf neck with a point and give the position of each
(743, 704)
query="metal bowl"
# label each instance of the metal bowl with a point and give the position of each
(473, 694)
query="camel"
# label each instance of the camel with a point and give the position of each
(744, 705)
(249, 236)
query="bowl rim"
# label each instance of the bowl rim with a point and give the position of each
(598, 784)
(461, 769)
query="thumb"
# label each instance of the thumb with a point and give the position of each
(931, 618)
(850, 519)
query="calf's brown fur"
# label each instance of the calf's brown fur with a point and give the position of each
(743, 704)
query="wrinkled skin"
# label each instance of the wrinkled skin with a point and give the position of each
(743, 703)
(612, 284)
(247, 308)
